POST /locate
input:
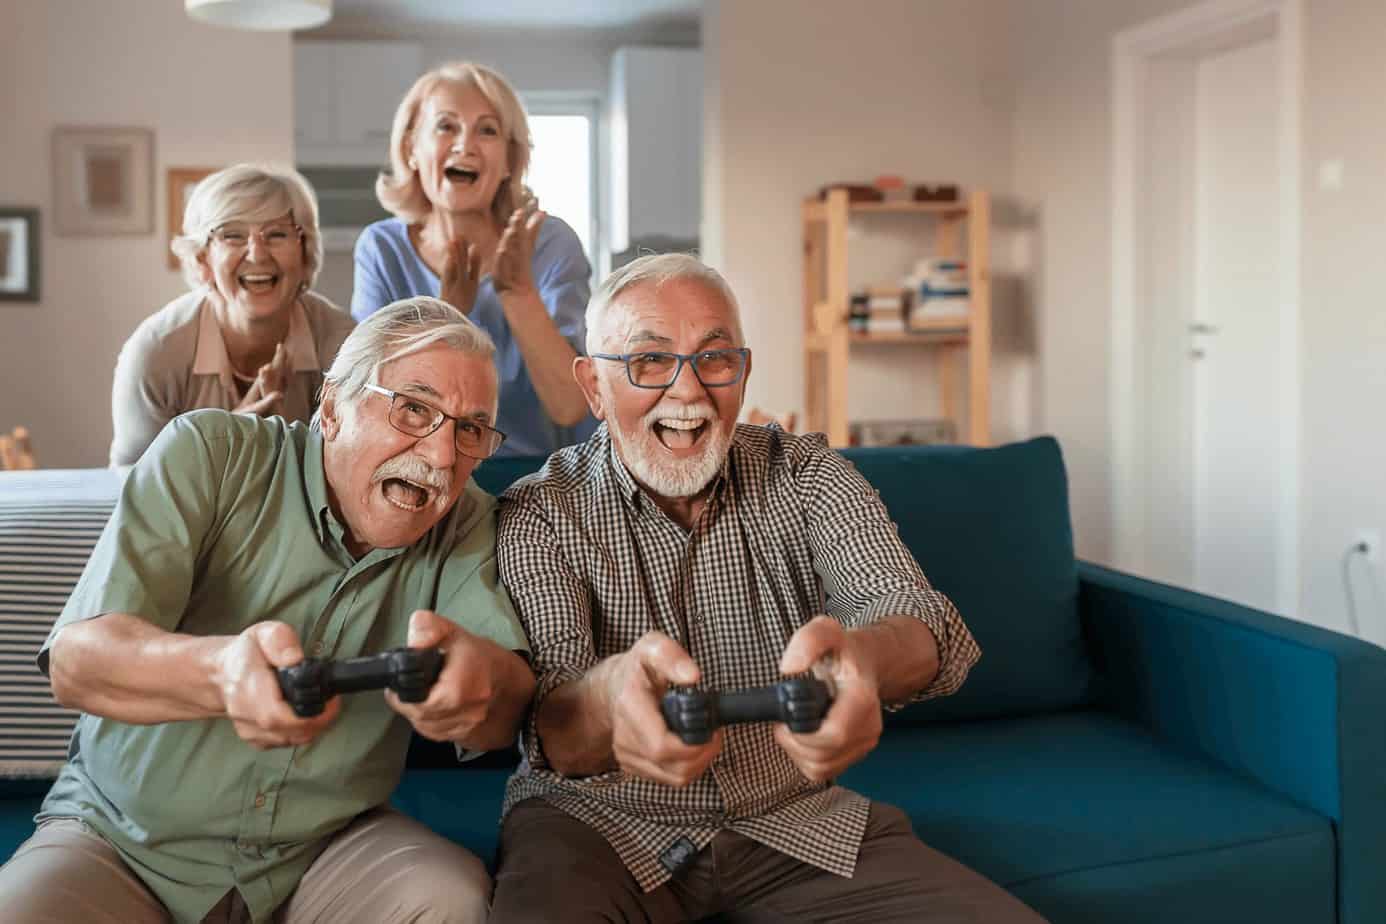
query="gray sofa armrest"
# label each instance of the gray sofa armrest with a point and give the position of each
(49, 522)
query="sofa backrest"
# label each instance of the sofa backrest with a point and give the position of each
(990, 528)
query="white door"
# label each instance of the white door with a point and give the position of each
(1233, 336)
(1205, 282)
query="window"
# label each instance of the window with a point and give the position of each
(563, 166)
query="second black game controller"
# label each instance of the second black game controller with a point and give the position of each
(799, 702)
(410, 672)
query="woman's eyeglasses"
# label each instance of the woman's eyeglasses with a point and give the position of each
(276, 238)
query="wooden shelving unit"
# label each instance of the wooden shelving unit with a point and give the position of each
(950, 344)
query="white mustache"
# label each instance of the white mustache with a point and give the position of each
(412, 468)
(699, 411)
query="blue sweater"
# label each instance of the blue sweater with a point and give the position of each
(388, 268)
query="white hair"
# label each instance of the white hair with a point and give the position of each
(400, 329)
(657, 269)
(248, 192)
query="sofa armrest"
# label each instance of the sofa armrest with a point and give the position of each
(1292, 706)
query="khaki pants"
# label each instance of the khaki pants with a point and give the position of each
(383, 868)
(556, 868)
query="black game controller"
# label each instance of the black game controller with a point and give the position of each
(410, 672)
(800, 703)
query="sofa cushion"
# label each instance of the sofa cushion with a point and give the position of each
(1087, 817)
(462, 805)
(495, 475)
(990, 528)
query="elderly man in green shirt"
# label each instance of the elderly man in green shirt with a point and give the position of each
(193, 792)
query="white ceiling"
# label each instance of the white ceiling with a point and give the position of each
(586, 14)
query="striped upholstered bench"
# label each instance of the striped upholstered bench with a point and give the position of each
(49, 521)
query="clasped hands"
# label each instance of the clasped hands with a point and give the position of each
(245, 675)
(643, 745)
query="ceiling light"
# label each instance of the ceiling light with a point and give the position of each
(263, 15)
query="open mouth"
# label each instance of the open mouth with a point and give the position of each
(406, 495)
(675, 433)
(460, 175)
(258, 283)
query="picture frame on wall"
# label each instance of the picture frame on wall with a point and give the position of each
(103, 180)
(180, 183)
(19, 254)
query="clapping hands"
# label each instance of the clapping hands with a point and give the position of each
(513, 273)
(461, 275)
(511, 270)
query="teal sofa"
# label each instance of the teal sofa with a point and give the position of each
(1124, 751)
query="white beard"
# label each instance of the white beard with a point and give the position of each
(665, 477)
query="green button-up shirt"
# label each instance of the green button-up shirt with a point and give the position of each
(225, 522)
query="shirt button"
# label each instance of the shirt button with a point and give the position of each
(316, 649)
(260, 800)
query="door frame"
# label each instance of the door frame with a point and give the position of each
(1132, 51)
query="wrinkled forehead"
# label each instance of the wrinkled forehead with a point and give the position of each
(671, 310)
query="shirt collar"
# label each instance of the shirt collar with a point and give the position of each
(212, 359)
(315, 485)
(630, 492)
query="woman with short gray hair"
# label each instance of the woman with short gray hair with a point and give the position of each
(250, 337)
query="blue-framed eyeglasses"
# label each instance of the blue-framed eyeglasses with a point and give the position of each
(416, 418)
(653, 369)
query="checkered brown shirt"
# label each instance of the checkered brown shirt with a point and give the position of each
(790, 530)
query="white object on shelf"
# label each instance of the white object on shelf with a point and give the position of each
(345, 95)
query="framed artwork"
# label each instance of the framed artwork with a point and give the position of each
(103, 180)
(181, 182)
(19, 255)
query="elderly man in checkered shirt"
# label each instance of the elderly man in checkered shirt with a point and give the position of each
(676, 548)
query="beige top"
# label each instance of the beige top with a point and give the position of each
(176, 361)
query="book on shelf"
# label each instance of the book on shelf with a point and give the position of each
(930, 309)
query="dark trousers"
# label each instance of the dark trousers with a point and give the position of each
(556, 868)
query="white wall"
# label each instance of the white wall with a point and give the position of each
(212, 97)
(1343, 319)
(1062, 158)
(800, 94)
